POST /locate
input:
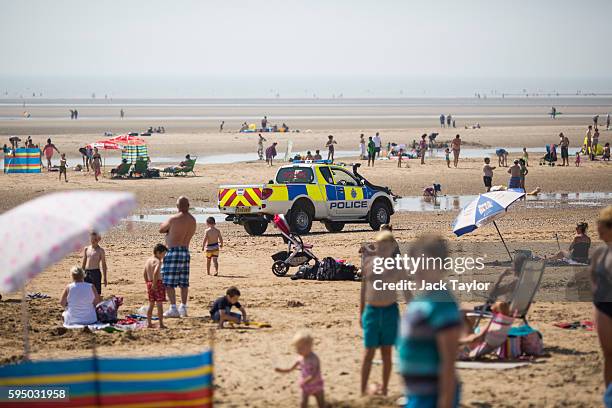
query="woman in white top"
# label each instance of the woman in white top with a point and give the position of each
(79, 300)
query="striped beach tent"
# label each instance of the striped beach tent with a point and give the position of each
(22, 160)
(181, 381)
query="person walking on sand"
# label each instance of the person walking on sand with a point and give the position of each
(442, 120)
(179, 230)
(121, 114)
(378, 309)
(213, 242)
(423, 147)
(564, 143)
(595, 120)
(456, 146)
(221, 126)
(260, 147)
(371, 151)
(96, 163)
(524, 172)
(62, 168)
(330, 147)
(264, 124)
(608, 121)
(48, 152)
(449, 120)
(271, 154)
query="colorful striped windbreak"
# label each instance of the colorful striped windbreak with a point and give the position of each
(185, 381)
(131, 152)
(22, 161)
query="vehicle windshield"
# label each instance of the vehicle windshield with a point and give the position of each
(294, 175)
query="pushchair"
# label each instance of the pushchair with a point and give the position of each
(550, 157)
(298, 253)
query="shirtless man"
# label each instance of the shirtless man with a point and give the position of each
(515, 175)
(94, 262)
(213, 241)
(179, 230)
(456, 145)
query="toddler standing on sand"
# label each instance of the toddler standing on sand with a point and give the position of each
(447, 157)
(577, 159)
(311, 381)
(156, 291)
(213, 241)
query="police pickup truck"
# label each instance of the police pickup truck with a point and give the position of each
(307, 191)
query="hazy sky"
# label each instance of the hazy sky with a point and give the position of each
(510, 38)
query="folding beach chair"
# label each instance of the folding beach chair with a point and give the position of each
(526, 287)
(189, 168)
(122, 171)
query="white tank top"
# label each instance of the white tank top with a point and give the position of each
(80, 309)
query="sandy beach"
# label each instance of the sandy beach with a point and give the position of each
(568, 375)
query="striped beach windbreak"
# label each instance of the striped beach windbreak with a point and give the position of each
(23, 160)
(131, 153)
(180, 381)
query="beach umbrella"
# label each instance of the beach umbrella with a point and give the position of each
(41, 232)
(485, 209)
(128, 140)
(104, 145)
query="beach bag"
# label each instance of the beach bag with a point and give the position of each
(332, 270)
(306, 272)
(107, 309)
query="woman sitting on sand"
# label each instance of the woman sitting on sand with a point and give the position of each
(579, 248)
(79, 300)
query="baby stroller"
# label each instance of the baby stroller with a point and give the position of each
(297, 252)
(550, 157)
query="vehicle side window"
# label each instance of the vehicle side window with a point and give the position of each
(295, 175)
(326, 173)
(344, 178)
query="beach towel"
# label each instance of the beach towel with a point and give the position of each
(490, 365)
(92, 327)
(584, 324)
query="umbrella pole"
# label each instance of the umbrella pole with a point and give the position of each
(25, 322)
(502, 240)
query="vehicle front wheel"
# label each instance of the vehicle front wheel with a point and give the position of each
(300, 218)
(379, 214)
(255, 227)
(334, 226)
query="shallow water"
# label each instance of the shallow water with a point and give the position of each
(414, 204)
(542, 200)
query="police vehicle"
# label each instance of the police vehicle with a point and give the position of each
(307, 191)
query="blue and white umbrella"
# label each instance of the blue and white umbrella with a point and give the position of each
(484, 210)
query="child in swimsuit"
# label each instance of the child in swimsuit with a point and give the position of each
(94, 263)
(311, 381)
(156, 291)
(447, 157)
(62, 168)
(213, 241)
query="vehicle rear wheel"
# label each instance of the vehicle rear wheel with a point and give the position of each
(255, 227)
(334, 226)
(379, 214)
(300, 218)
(280, 268)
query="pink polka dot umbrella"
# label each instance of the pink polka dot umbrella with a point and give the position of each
(42, 231)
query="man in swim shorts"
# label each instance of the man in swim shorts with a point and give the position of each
(179, 230)
(515, 175)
